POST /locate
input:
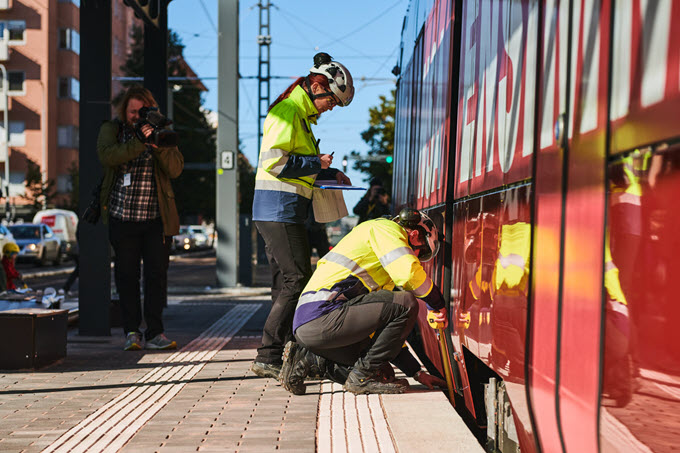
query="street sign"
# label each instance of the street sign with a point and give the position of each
(227, 160)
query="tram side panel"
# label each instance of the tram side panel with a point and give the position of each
(641, 369)
(492, 191)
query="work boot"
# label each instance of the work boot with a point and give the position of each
(297, 365)
(266, 370)
(385, 374)
(362, 382)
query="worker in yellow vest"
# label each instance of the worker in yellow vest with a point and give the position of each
(352, 295)
(290, 161)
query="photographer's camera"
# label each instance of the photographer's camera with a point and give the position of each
(161, 136)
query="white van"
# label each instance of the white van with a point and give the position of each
(63, 223)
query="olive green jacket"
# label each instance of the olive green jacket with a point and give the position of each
(167, 164)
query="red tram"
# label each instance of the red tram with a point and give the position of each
(544, 137)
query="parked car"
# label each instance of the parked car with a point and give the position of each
(37, 242)
(63, 224)
(200, 235)
(183, 241)
(5, 237)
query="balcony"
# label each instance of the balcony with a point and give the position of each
(5, 5)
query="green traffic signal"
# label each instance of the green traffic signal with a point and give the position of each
(388, 159)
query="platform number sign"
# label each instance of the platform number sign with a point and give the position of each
(227, 160)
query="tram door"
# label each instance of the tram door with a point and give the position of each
(569, 220)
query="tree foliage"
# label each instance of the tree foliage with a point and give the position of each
(380, 138)
(37, 191)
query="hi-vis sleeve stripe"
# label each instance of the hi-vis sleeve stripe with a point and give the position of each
(424, 289)
(390, 257)
(273, 161)
(353, 267)
(512, 258)
(321, 295)
(282, 186)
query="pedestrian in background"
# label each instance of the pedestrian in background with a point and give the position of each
(138, 203)
(289, 163)
(9, 257)
(75, 254)
(374, 204)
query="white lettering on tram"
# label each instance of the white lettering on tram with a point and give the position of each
(655, 20)
(430, 179)
(497, 90)
(656, 34)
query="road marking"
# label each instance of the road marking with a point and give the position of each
(109, 428)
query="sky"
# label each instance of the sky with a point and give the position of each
(363, 35)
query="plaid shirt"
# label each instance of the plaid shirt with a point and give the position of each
(137, 202)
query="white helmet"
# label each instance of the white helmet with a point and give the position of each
(339, 78)
(426, 237)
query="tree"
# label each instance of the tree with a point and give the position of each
(195, 188)
(38, 193)
(380, 138)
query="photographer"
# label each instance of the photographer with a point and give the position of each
(137, 201)
(374, 204)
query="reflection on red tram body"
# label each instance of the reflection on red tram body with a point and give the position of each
(548, 155)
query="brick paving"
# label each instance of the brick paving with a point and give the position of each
(200, 398)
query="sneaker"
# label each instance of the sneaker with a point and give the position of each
(360, 382)
(160, 341)
(133, 341)
(266, 370)
(297, 365)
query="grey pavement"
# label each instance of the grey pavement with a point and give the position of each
(203, 396)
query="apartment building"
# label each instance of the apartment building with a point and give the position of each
(40, 49)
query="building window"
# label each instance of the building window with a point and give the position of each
(69, 88)
(17, 133)
(64, 183)
(68, 136)
(16, 30)
(69, 40)
(16, 83)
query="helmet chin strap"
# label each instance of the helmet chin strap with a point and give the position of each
(311, 94)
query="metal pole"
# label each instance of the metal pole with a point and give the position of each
(227, 213)
(5, 96)
(43, 121)
(264, 40)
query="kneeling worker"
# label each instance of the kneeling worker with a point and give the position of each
(348, 314)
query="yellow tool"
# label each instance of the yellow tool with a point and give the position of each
(441, 332)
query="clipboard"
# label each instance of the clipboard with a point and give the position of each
(333, 185)
(328, 205)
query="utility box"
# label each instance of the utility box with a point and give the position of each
(32, 337)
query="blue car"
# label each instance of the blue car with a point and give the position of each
(37, 242)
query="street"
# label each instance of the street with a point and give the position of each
(194, 269)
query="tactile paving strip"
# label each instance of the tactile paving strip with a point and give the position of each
(110, 427)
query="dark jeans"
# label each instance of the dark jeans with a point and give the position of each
(344, 335)
(288, 252)
(133, 242)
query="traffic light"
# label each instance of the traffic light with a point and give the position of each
(147, 10)
(388, 159)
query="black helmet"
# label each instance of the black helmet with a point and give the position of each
(428, 233)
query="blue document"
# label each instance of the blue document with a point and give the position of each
(333, 185)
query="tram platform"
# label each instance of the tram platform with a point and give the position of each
(203, 397)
